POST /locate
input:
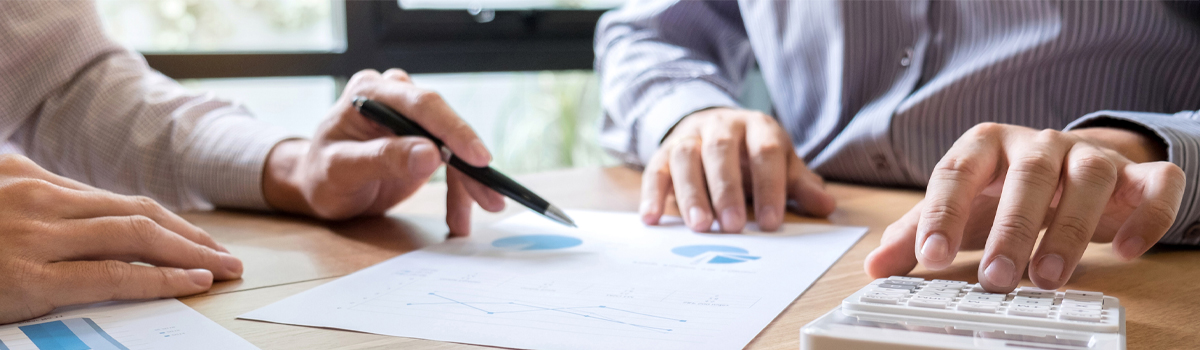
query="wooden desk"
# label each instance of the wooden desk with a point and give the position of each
(284, 256)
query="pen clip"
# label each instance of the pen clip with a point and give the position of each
(446, 153)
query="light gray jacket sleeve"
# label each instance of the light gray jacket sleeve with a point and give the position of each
(1181, 133)
(659, 61)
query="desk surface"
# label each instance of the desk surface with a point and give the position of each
(286, 255)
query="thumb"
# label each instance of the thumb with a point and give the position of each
(356, 163)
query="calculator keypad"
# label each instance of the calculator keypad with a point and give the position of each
(1073, 309)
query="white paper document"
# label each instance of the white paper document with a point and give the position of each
(142, 325)
(611, 284)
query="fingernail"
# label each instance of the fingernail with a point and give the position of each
(766, 215)
(221, 248)
(1000, 272)
(481, 151)
(420, 159)
(698, 217)
(232, 264)
(729, 216)
(648, 218)
(935, 248)
(1051, 267)
(1132, 247)
(200, 277)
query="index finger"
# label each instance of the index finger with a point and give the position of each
(429, 110)
(959, 177)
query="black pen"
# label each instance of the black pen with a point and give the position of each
(402, 126)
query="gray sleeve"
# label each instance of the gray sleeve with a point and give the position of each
(659, 61)
(1181, 133)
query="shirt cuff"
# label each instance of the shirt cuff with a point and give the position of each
(1181, 133)
(224, 163)
(682, 100)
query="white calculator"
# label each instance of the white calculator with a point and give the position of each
(912, 313)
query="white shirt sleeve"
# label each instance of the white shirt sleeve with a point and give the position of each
(84, 107)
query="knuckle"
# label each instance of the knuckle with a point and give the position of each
(1072, 230)
(769, 149)
(143, 229)
(719, 145)
(956, 168)
(363, 76)
(942, 212)
(1037, 168)
(14, 161)
(1096, 170)
(1160, 210)
(395, 72)
(147, 205)
(29, 192)
(985, 130)
(1018, 228)
(426, 99)
(116, 277)
(1048, 136)
(685, 149)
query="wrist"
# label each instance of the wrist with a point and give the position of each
(1136, 146)
(281, 177)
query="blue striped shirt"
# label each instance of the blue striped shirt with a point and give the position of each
(875, 92)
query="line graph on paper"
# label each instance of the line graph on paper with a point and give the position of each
(566, 306)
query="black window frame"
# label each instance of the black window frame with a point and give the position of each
(381, 35)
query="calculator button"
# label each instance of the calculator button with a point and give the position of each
(959, 283)
(880, 299)
(902, 278)
(977, 288)
(985, 296)
(1029, 310)
(1035, 292)
(938, 294)
(1083, 296)
(1079, 315)
(988, 308)
(1032, 301)
(1067, 304)
(930, 302)
(941, 290)
(944, 286)
(908, 283)
(897, 286)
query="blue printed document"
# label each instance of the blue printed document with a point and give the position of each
(135, 325)
(613, 283)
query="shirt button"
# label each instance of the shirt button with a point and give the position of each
(906, 58)
(1194, 231)
(880, 161)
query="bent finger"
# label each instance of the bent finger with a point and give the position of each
(691, 190)
(458, 207)
(958, 178)
(1088, 182)
(895, 256)
(769, 154)
(721, 152)
(1029, 187)
(430, 110)
(1162, 186)
(656, 184)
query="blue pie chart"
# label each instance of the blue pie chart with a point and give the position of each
(537, 242)
(715, 254)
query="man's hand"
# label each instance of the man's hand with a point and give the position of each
(1000, 185)
(356, 167)
(64, 243)
(714, 157)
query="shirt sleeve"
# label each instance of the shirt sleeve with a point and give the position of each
(659, 61)
(1181, 133)
(86, 108)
